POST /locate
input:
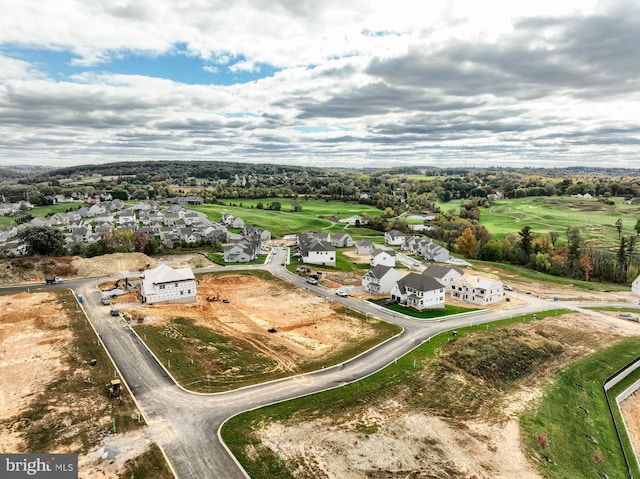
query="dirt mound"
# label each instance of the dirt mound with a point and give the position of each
(109, 264)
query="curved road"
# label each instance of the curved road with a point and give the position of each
(186, 425)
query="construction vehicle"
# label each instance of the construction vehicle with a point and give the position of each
(54, 280)
(114, 388)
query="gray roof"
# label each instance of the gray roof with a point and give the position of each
(437, 271)
(379, 271)
(419, 282)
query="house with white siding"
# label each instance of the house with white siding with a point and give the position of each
(480, 291)
(316, 251)
(444, 274)
(167, 284)
(364, 247)
(384, 257)
(380, 279)
(394, 237)
(341, 240)
(419, 292)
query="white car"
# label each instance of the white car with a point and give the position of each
(341, 292)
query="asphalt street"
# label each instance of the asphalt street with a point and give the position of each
(186, 425)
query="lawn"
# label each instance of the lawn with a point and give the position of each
(543, 214)
(316, 215)
(574, 418)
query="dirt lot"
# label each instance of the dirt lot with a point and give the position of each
(306, 327)
(45, 401)
(388, 439)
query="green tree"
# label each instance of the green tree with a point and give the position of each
(526, 240)
(619, 227)
(42, 240)
(637, 227)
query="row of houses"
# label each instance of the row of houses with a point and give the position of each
(87, 225)
(427, 290)
(417, 245)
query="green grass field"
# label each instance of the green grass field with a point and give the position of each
(315, 215)
(573, 416)
(543, 214)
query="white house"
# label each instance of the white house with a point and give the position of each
(394, 237)
(419, 292)
(383, 257)
(445, 275)
(380, 279)
(167, 284)
(480, 291)
(364, 247)
(635, 286)
(241, 251)
(316, 251)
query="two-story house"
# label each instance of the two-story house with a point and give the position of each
(419, 292)
(380, 279)
(167, 284)
(480, 291)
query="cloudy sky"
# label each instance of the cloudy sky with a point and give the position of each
(325, 83)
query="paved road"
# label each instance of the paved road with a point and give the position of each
(186, 424)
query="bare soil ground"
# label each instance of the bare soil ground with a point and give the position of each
(307, 327)
(35, 350)
(388, 439)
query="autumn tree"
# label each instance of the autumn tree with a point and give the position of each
(467, 243)
(586, 265)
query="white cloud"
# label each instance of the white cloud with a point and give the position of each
(368, 80)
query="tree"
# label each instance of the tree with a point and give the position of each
(42, 240)
(553, 237)
(637, 227)
(619, 227)
(467, 243)
(587, 266)
(542, 441)
(275, 206)
(140, 239)
(526, 240)
(296, 207)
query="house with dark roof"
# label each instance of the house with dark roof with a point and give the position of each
(242, 251)
(316, 251)
(419, 292)
(443, 274)
(394, 237)
(380, 279)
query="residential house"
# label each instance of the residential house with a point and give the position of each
(257, 233)
(364, 247)
(480, 291)
(355, 220)
(167, 284)
(232, 221)
(241, 251)
(97, 209)
(316, 251)
(394, 237)
(384, 257)
(419, 292)
(445, 275)
(380, 279)
(341, 240)
(436, 253)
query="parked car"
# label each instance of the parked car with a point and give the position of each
(341, 292)
(506, 287)
(115, 312)
(105, 300)
(312, 281)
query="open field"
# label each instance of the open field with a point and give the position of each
(268, 329)
(448, 409)
(315, 214)
(595, 218)
(52, 398)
